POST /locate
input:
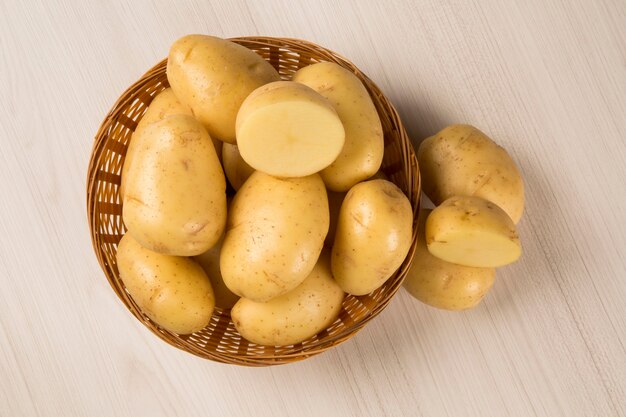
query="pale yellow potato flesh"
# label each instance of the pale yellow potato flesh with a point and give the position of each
(172, 291)
(165, 104)
(443, 284)
(472, 231)
(210, 262)
(213, 76)
(175, 199)
(461, 160)
(295, 316)
(236, 169)
(373, 237)
(362, 152)
(274, 235)
(286, 129)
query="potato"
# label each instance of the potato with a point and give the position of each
(274, 235)
(443, 284)
(213, 76)
(362, 152)
(173, 291)
(175, 200)
(210, 262)
(472, 231)
(334, 205)
(286, 129)
(374, 234)
(293, 317)
(461, 160)
(165, 104)
(236, 169)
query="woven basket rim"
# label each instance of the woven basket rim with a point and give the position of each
(258, 359)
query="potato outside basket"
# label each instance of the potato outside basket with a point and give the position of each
(219, 341)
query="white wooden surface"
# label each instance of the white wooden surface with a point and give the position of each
(546, 78)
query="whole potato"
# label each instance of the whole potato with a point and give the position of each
(286, 129)
(274, 235)
(236, 169)
(295, 316)
(175, 199)
(362, 152)
(443, 284)
(210, 262)
(173, 291)
(165, 104)
(461, 160)
(472, 231)
(213, 76)
(374, 234)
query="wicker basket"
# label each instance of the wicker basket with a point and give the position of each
(219, 341)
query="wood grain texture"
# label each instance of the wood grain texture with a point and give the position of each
(545, 78)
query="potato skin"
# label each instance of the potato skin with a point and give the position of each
(362, 153)
(461, 160)
(472, 231)
(295, 316)
(165, 104)
(213, 76)
(173, 291)
(374, 234)
(210, 263)
(274, 235)
(443, 284)
(236, 169)
(175, 200)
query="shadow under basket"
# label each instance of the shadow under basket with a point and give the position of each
(220, 341)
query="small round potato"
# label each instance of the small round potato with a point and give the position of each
(472, 231)
(213, 76)
(236, 169)
(173, 291)
(373, 237)
(461, 160)
(293, 317)
(210, 262)
(175, 199)
(443, 284)
(362, 152)
(274, 235)
(286, 129)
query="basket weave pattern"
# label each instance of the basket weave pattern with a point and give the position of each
(219, 341)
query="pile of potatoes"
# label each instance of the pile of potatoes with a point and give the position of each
(307, 217)
(479, 195)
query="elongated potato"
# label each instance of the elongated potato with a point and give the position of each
(213, 76)
(286, 129)
(461, 160)
(362, 152)
(443, 284)
(210, 262)
(472, 231)
(293, 317)
(173, 291)
(175, 200)
(165, 104)
(373, 236)
(275, 233)
(236, 169)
